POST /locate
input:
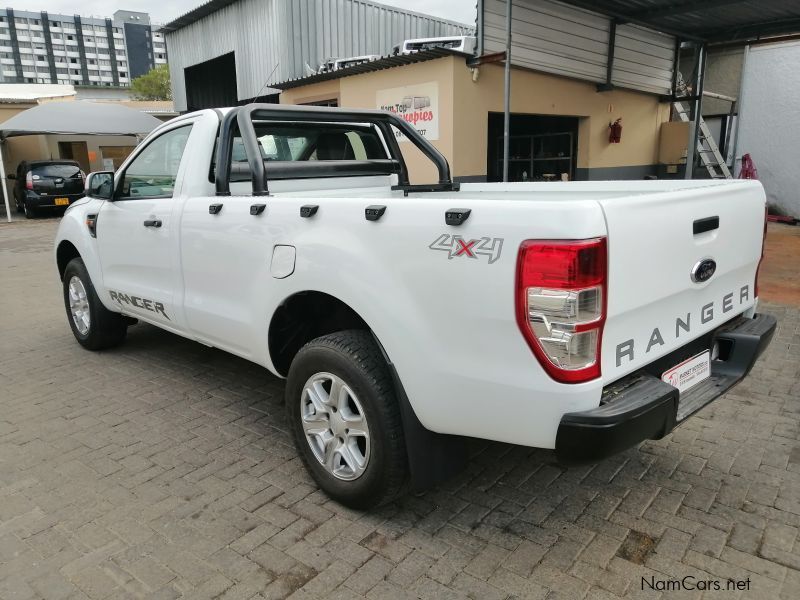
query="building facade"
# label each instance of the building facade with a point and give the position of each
(229, 51)
(37, 47)
(559, 126)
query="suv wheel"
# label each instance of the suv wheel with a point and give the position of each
(29, 211)
(345, 419)
(93, 325)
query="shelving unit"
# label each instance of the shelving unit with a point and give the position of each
(538, 157)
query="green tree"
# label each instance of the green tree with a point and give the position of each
(153, 85)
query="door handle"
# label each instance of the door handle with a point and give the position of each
(152, 223)
(213, 209)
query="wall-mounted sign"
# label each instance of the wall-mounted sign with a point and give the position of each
(417, 104)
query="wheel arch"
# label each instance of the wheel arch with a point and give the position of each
(303, 316)
(65, 252)
(432, 457)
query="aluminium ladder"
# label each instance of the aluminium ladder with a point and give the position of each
(707, 148)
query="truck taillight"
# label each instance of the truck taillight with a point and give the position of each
(561, 305)
(29, 181)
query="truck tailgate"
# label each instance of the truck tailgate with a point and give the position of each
(654, 305)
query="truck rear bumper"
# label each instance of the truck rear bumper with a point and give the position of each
(641, 406)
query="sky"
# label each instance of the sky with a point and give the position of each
(163, 11)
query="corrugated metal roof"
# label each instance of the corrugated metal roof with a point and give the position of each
(196, 14)
(385, 62)
(709, 20)
(214, 5)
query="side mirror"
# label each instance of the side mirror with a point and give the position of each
(11, 176)
(100, 184)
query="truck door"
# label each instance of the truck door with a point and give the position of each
(137, 232)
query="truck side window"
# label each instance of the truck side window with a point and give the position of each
(153, 172)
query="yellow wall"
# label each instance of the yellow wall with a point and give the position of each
(464, 105)
(539, 93)
(326, 90)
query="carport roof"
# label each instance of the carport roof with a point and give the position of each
(715, 21)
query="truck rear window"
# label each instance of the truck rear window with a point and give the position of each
(306, 142)
(312, 141)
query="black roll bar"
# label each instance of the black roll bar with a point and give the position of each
(224, 151)
(383, 120)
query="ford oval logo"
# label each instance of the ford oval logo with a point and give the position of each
(704, 270)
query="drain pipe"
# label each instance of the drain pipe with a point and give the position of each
(507, 93)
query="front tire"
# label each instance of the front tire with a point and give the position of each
(345, 419)
(93, 325)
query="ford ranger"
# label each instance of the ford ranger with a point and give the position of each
(582, 317)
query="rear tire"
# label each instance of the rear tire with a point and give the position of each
(351, 441)
(93, 325)
(30, 211)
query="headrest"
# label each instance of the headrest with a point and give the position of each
(334, 146)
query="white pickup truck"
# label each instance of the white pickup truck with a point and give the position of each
(583, 317)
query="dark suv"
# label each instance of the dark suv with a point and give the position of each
(47, 184)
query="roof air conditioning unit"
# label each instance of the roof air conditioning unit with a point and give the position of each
(458, 43)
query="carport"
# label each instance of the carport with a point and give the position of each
(540, 34)
(73, 118)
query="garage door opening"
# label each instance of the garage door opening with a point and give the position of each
(211, 84)
(542, 148)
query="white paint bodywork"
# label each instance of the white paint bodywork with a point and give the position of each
(448, 324)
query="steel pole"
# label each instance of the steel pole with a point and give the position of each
(5, 187)
(697, 111)
(507, 93)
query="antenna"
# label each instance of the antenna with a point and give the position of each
(268, 78)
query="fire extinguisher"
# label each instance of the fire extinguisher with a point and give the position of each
(615, 131)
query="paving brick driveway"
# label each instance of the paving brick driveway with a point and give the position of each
(164, 469)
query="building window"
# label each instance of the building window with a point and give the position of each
(74, 61)
(69, 37)
(123, 74)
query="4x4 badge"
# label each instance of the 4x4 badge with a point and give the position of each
(456, 246)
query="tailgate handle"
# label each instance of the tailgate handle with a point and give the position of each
(707, 224)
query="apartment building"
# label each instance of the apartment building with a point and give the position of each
(37, 47)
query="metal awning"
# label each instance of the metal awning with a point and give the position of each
(712, 21)
(77, 117)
